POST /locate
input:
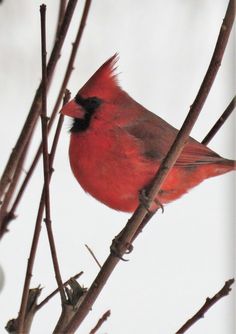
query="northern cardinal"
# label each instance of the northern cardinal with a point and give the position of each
(117, 145)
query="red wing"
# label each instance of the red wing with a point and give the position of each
(156, 136)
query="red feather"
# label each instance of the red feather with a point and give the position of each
(117, 146)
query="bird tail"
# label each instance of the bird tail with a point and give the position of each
(224, 166)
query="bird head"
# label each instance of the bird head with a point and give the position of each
(101, 88)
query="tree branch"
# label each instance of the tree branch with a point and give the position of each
(133, 224)
(100, 322)
(61, 14)
(52, 294)
(46, 163)
(11, 214)
(206, 306)
(220, 122)
(93, 256)
(37, 229)
(33, 115)
(31, 308)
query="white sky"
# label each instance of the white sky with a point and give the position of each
(185, 254)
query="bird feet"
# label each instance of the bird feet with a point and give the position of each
(145, 201)
(118, 248)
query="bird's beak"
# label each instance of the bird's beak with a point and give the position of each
(72, 109)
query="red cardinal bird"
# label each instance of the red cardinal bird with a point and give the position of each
(117, 145)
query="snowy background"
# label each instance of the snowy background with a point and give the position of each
(185, 254)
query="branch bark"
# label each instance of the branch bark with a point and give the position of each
(33, 115)
(37, 229)
(220, 121)
(8, 216)
(207, 305)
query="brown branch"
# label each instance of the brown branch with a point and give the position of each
(61, 13)
(100, 322)
(52, 294)
(46, 163)
(220, 121)
(11, 214)
(206, 306)
(93, 255)
(133, 224)
(75, 294)
(33, 115)
(31, 308)
(5, 216)
(205, 141)
(37, 229)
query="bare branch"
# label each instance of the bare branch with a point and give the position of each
(33, 115)
(100, 322)
(220, 122)
(133, 224)
(11, 214)
(206, 306)
(31, 308)
(37, 229)
(46, 163)
(75, 296)
(61, 13)
(52, 294)
(93, 255)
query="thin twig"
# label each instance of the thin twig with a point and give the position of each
(206, 306)
(220, 121)
(93, 256)
(52, 294)
(135, 221)
(5, 216)
(52, 117)
(37, 229)
(61, 13)
(33, 115)
(46, 164)
(100, 322)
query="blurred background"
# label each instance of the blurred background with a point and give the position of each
(183, 255)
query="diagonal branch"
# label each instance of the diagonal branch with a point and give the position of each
(135, 221)
(207, 305)
(33, 115)
(100, 322)
(11, 214)
(61, 14)
(93, 256)
(52, 294)
(220, 121)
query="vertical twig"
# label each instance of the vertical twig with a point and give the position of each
(61, 13)
(33, 250)
(44, 121)
(37, 229)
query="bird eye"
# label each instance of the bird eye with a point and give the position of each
(89, 104)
